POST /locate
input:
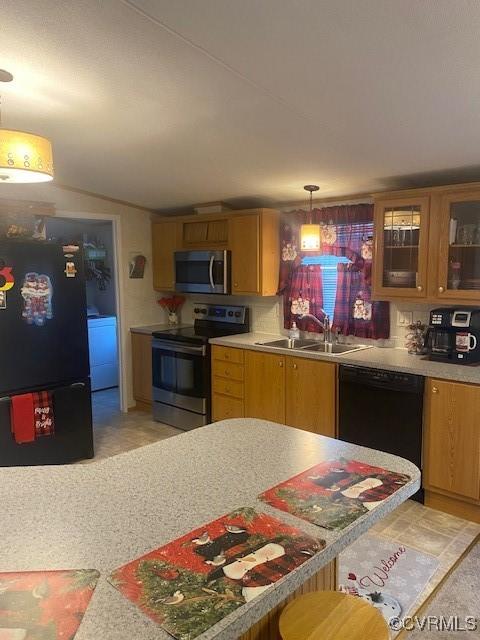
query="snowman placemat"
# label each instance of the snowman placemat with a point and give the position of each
(190, 584)
(334, 494)
(44, 604)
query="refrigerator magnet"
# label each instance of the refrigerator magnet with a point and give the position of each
(3, 300)
(6, 277)
(70, 270)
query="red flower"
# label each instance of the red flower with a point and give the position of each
(172, 304)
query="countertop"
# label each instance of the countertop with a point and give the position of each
(375, 357)
(107, 513)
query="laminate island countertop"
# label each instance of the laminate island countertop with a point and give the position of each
(105, 514)
(375, 357)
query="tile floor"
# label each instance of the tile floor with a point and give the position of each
(115, 432)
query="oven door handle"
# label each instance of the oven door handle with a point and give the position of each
(178, 348)
(210, 271)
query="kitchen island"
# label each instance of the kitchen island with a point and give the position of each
(107, 513)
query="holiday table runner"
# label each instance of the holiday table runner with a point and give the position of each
(190, 584)
(44, 605)
(333, 494)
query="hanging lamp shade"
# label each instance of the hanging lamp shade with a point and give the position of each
(310, 233)
(24, 157)
(310, 237)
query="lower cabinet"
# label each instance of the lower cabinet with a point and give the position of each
(311, 395)
(265, 386)
(296, 391)
(452, 440)
(142, 369)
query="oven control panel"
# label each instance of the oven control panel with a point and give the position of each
(219, 313)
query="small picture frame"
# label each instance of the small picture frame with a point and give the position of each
(136, 266)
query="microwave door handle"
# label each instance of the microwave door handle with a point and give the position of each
(210, 271)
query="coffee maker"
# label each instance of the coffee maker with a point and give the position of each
(453, 335)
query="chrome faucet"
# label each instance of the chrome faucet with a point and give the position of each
(325, 324)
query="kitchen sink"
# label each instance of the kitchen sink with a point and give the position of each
(335, 349)
(289, 343)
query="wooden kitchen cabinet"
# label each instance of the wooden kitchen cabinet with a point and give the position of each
(311, 395)
(265, 386)
(400, 264)
(211, 232)
(227, 383)
(452, 439)
(164, 244)
(255, 245)
(427, 245)
(142, 369)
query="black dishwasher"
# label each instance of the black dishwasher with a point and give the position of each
(382, 410)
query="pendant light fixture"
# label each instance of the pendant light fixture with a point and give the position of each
(24, 157)
(310, 233)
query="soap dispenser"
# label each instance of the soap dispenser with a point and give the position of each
(294, 332)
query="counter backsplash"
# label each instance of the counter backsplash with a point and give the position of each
(267, 315)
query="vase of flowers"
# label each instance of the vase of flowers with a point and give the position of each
(172, 306)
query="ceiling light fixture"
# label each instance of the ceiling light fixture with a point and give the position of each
(310, 233)
(24, 157)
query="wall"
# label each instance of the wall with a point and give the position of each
(137, 299)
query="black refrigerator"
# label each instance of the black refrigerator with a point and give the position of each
(44, 348)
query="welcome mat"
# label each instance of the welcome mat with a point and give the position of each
(190, 584)
(44, 605)
(389, 575)
(334, 494)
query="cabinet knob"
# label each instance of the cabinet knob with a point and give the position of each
(441, 289)
(434, 389)
(280, 364)
(295, 366)
(226, 373)
(419, 288)
(235, 284)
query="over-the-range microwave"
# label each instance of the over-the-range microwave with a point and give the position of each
(202, 271)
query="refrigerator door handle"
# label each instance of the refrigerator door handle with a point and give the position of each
(5, 399)
(77, 385)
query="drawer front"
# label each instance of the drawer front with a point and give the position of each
(227, 387)
(229, 370)
(226, 354)
(224, 407)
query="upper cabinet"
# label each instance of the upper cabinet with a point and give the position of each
(459, 247)
(165, 240)
(255, 245)
(427, 245)
(251, 235)
(401, 247)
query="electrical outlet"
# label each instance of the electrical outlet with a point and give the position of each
(404, 318)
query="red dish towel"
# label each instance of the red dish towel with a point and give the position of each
(43, 414)
(22, 421)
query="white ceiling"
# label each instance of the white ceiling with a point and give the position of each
(170, 102)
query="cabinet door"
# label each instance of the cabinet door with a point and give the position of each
(164, 238)
(265, 386)
(244, 239)
(310, 395)
(142, 367)
(452, 438)
(401, 248)
(226, 407)
(459, 248)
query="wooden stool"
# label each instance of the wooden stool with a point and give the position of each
(332, 615)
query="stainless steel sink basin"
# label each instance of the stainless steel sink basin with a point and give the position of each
(288, 343)
(335, 349)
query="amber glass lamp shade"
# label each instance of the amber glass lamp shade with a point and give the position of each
(24, 157)
(310, 237)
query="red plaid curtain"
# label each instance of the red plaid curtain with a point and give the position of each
(346, 231)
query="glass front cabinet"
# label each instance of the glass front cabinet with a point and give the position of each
(459, 247)
(428, 247)
(401, 247)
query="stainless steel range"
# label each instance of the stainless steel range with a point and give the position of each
(181, 364)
